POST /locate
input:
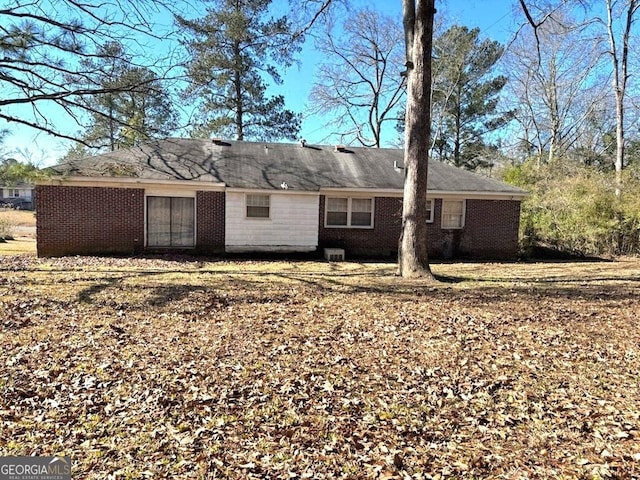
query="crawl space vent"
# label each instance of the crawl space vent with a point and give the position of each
(334, 254)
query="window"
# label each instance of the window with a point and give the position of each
(257, 206)
(349, 212)
(452, 213)
(15, 193)
(337, 211)
(361, 212)
(170, 222)
(429, 210)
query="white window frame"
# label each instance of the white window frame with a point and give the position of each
(443, 214)
(349, 212)
(247, 205)
(431, 204)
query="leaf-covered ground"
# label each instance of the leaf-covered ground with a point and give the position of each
(181, 368)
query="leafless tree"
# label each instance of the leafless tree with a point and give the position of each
(417, 20)
(360, 83)
(555, 88)
(619, 54)
(620, 17)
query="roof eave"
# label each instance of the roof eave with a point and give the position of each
(128, 182)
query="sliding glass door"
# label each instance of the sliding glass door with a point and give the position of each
(170, 222)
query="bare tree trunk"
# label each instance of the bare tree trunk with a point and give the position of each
(620, 75)
(418, 27)
(112, 123)
(237, 84)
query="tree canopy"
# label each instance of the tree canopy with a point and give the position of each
(466, 96)
(359, 85)
(43, 44)
(231, 52)
(13, 172)
(134, 107)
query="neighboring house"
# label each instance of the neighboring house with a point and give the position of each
(213, 196)
(19, 195)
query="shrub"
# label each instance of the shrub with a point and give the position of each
(574, 209)
(6, 230)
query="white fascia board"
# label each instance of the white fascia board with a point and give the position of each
(368, 192)
(471, 195)
(131, 182)
(272, 191)
(379, 192)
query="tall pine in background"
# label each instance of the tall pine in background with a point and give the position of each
(232, 52)
(465, 96)
(130, 104)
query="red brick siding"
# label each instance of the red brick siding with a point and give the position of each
(210, 220)
(380, 240)
(96, 220)
(89, 220)
(490, 231)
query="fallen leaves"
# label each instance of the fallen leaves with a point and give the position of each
(174, 368)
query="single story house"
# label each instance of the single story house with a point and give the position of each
(19, 195)
(215, 196)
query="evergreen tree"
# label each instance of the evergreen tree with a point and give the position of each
(13, 172)
(231, 51)
(47, 49)
(133, 107)
(465, 95)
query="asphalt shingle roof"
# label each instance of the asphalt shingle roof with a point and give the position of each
(259, 165)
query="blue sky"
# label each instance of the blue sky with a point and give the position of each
(493, 17)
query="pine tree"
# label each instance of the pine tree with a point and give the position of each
(232, 50)
(134, 106)
(465, 95)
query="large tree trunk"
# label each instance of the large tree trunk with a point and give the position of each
(418, 25)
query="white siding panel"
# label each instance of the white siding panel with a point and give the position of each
(292, 224)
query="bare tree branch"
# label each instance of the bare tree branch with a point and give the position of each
(44, 46)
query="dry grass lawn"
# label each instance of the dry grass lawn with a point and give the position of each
(184, 368)
(16, 246)
(24, 218)
(19, 227)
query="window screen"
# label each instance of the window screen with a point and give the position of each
(361, 212)
(452, 213)
(337, 211)
(258, 206)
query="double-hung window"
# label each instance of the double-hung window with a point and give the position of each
(349, 212)
(170, 221)
(429, 210)
(258, 206)
(453, 214)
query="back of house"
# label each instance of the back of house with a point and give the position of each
(214, 196)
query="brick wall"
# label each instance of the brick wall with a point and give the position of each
(210, 220)
(89, 220)
(381, 240)
(490, 231)
(96, 220)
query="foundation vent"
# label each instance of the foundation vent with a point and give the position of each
(334, 254)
